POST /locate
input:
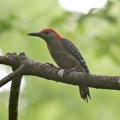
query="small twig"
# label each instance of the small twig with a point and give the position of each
(18, 72)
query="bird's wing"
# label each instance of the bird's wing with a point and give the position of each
(71, 48)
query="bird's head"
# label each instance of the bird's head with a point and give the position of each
(47, 34)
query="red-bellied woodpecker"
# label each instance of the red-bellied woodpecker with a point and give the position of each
(65, 54)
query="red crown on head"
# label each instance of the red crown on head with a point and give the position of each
(51, 30)
(48, 30)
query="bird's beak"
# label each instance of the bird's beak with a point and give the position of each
(37, 34)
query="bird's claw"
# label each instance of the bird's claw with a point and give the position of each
(70, 70)
(50, 64)
(62, 72)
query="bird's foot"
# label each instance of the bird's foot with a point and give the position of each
(50, 64)
(62, 72)
(70, 70)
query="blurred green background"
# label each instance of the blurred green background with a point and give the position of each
(97, 34)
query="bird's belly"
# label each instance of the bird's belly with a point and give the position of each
(65, 60)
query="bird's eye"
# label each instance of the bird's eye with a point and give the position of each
(47, 32)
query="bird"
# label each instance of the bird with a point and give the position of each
(65, 54)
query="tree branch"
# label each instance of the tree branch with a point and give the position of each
(25, 66)
(29, 67)
(15, 86)
(14, 98)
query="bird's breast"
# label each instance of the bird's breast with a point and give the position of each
(63, 59)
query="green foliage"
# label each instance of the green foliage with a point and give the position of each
(97, 36)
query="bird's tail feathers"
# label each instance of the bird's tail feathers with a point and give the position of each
(84, 92)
